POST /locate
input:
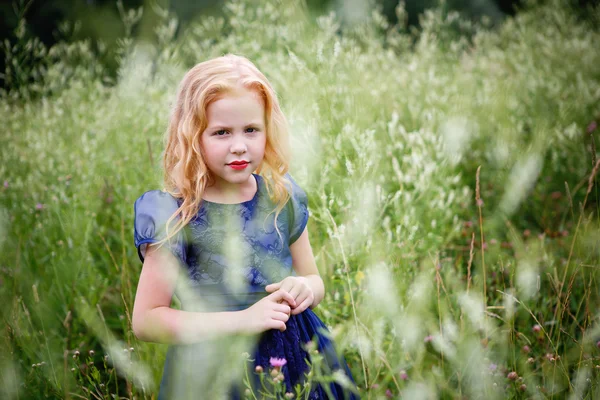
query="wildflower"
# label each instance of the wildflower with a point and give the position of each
(526, 233)
(277, 362)
(598, 344)
(131, 349)
(493, 367)
(526, 349)
(274, 373)
(428, 338)
(388, 394)
(76, 353)
(530, 360)
(258, 369)
(376, 385)
(493, 241)
(92, 353)
(591, 127)
(289, 395)
(72, 369)
(512, 376)
(523, 387)
(403, 375)
(39, 206)
(5, 184)
(536, 328)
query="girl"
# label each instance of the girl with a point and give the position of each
(229, 237)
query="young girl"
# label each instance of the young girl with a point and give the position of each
(228, 236)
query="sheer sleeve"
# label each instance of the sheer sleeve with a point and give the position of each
(298, 208)
(152, 210)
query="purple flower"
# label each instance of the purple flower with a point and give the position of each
(428, 338)
(39, 206)
(5, 184)
(403, 375)
(592, 127)
(277, 362)
(388, 394)
(493, 367)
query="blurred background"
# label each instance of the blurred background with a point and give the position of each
(100, 19)
(448, 150)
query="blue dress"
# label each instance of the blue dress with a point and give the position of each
(230, 252)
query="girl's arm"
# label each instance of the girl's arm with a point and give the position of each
(305, 266)
(153, 319)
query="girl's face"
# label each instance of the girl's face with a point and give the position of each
(234, 140)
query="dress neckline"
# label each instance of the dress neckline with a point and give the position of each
(258, 181)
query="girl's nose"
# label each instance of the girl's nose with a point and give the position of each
(238, 146)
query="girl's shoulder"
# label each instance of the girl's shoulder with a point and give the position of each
(156, 202)
(293, 188)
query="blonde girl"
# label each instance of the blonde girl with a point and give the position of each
(228, 236)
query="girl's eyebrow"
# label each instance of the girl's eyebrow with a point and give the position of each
(227, 127)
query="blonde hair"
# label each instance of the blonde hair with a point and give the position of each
(185, 173)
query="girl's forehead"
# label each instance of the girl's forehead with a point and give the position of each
(237, 106)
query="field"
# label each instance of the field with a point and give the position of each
(451, 173)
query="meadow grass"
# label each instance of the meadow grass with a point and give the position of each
(451, 179)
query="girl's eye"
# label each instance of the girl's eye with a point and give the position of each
(220, 133)
(253, 130)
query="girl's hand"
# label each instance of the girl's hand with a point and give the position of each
(271, 312)
(300, 290)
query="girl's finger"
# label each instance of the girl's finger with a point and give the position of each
(281, 316)
(283, 295)
(302, 307)
(295, 292)
(272, 287)
(284, 308)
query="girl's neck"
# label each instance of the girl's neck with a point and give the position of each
(231, 193)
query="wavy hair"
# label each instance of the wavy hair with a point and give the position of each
(185, 173)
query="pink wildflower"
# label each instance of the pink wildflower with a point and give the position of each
(5, 184)
(428, 338)
(277, 362)
(39, 206)
(592, 127)
(512, 375)
(388, 394)
(403, 375)
(523, 387)
(536, 328)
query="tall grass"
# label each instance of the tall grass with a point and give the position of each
(451, 182)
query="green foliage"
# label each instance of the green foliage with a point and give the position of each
(429, 292)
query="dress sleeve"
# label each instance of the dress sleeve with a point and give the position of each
(152, 210)
(298, 210)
